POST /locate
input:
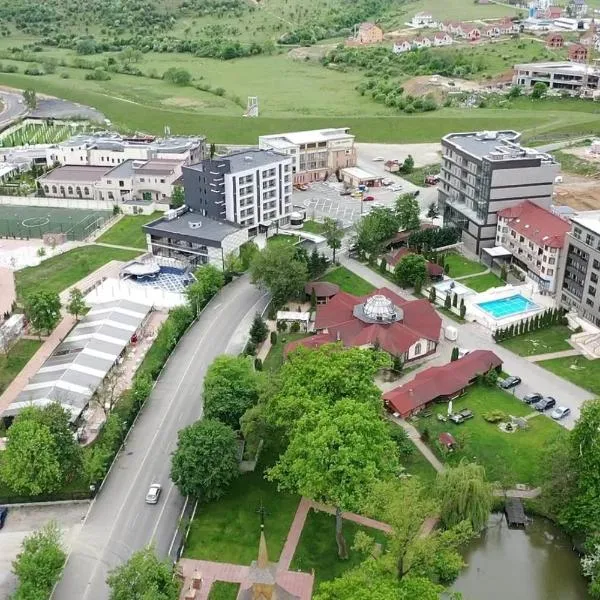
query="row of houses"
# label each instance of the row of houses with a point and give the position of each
(471, 31)
(407, 44)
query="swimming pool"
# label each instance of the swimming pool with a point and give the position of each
(170, 279)
(507, 307)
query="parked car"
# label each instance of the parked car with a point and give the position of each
(545, 404)
(301, 186)
(432, 179)
(378, 159)
(560, 412)
(462, 416)
(532, 398)
(463, 352)
(368, 198)
(153, 493)
(345, 192)
(396, 188)
(386, 181)
(510, 382)
(3, 515)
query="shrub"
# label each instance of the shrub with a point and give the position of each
(258, 365)
(273, 338)
(494, 416)
(295, 327)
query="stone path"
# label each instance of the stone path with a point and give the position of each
(471, 275)
(348, 516)
(550, 355)
(293, 537)
(415, 438)
(140, 250)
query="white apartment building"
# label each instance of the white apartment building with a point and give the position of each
(316, 154)
(252, 188)
(112, 149)
(535, 238)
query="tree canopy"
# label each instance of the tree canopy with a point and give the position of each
(410, 269)
(209, 280)
(205, 461)
(375, 228)
(333, 233)
(407, 211)
(43, 310)
(76, 304)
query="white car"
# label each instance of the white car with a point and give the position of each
(377, 205)
(396, 188)
(153, 493)
(378, 159)
(386, 181)
(560, 412)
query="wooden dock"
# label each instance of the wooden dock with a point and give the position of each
(515, 512)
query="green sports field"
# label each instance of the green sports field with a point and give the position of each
(34, 221)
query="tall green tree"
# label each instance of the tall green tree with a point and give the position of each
(42, 309)
(407, 211)
(335, 456)
(539, 90)
(230, 389)
(143, 577)
(30, 98)
(333, 233)
(76, 304)
(278, 269)
(177, 197)
(410, 269)
(205, 461)
(258, 329)
(373, 229)
(465, 495)
(209, 280)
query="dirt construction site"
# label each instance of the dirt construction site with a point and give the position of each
(580, 193)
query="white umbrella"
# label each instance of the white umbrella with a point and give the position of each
(450, 408)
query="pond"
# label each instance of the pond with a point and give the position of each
(533, 564)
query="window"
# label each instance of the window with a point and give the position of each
(418, 348)
(70, 189)
(142, 180)
(551, 261)
(54, 189)
(589, 302)
(162, 180)
(594, 278)
(111, 196)
(86, 191)
(121, 184)
(550, 271)
(589, 239)
(46, 189)
(591, 290)
(109, 181)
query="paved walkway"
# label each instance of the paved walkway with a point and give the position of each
(485, 272)
(550, 355)
(140, 250)
(293, 536)
(415, 437)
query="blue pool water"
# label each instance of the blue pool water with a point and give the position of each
(506, 307)
(170, 279)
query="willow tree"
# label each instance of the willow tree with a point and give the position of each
(465, 495)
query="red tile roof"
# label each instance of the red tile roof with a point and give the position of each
(444, 381)
(323, 289)
(420, 321)
(536, 224)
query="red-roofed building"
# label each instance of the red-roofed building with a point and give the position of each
(395, 256)
(535, 238)
(555, 40)
(578, 53)
(440, 384)
(409, 329)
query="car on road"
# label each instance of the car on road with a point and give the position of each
(378, 159)
(386, 181)
(560, 412)
(462, 416)
(396, 188)
(510, 382)
(345, 192)
(532, 398)
(3, 515)
(545, 404)
(153, 493)
(301, 186)
(368, 198)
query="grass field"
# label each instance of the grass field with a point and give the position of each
(553, 339)
(313, 226)
(317, 548)
(60, 272)
(418, 466)
(418, 175)
(223, 590)
(274, 359)
(481, 283)
(128, 231)
(576, 369)
(460, 265)
(509, 458)
(348, 281)
(12, 364)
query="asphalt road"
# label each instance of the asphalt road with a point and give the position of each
(119, 522)
(13, 107)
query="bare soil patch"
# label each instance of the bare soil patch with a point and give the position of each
(580, 193)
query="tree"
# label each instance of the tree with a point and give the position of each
(515, 91)
(335, 456)
(333, 233)
(76, 304)
(465, 495)
(177, 197)
(209, 280)
(213, 150)
(454, 355)
(503, 273)
(258, 330)
(39, 564)
(539, 90)
(109, 391)
(230, 389)
(373, 229)
(205, 461)
(177, 76)
(30, 98)
(143, 577)
(129, 55)
(42, 309)
(407, 211)
(410, 268)
(278, 269)
(432, 211)
(417, 287)
(408, 165)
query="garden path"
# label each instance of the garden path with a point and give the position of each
(550, 355)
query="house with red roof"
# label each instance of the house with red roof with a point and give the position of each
(442, 39)
(535, 238)
(393, 257)
(408, 329)
(555, 40)
(578, 53)
(440, 384)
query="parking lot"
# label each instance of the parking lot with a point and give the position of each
(23, 520)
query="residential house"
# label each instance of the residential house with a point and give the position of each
(472, 33)
(441, 38)
(554, 12)
(535, 238)
(401, 46)
(393, 166)
(490, 31)
(392, 258)
(578, 53)
(409, 329)
(72, 182)
(507, 26)
(458, 29)
(440, 384)
(555, 40)
(423, 19)
(366, 33)
(421, 42)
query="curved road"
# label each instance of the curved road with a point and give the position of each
(13, 107)
(119, 522)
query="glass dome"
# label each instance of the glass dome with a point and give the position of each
(379, 308)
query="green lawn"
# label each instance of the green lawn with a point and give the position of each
(418, 175)
(18, 357)
(507, 457)
(460, 265)
(228, 530)
(60, 272)
(576, 369)
(543, 341)
(418, 466)
(274, 359)
(348, 281)
(280, 239)
(223, 590)
(317, 548)
(481, 283)
(313, 226)
(128, 231)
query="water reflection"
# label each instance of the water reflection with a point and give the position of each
(532, 564)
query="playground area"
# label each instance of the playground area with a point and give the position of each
(32, 222)
(41, 132)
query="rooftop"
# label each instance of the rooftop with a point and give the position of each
(589, 220)
(537, 224)
(564, 67)
(157, 166)
(360, 173)
(243, 160)
(114, 141)
(308, 137)
(192, 224)
(76, 174)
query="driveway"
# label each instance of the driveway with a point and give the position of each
(474, 336)
(23, 520)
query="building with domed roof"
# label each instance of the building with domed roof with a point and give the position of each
(408, 329)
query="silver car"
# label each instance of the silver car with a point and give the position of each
(560, 412)
(153, 493)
